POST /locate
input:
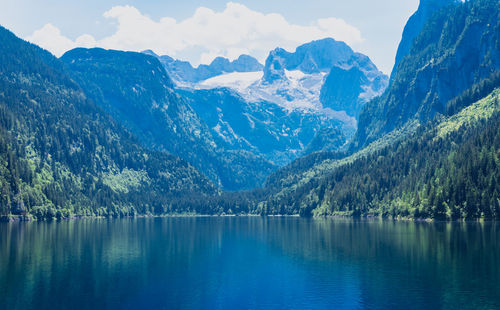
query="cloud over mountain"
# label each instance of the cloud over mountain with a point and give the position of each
(203, 36)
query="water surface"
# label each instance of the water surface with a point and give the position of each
(249, 263)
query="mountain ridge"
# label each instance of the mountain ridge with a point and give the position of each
(62, 156)
(437, 160)
(457, 48)
(137, 91)
(183, 72)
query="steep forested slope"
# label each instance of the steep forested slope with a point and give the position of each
(446, 171)
(136, 90)
(402, 162)
(60, 154)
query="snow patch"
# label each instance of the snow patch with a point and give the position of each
(238, 81)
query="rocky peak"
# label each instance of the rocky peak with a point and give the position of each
(221, 64)
(274, 68)
(246, 63)
(314, 57)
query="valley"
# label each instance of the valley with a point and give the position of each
(319, 131)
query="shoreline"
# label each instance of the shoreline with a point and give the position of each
(30, 219)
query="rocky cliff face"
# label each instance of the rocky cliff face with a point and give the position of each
(333, 76)
(315, 57)
(426, 10)
(457, 47)
(349, 87)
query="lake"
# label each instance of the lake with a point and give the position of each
(249, 263)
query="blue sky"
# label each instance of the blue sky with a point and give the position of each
(200, 30)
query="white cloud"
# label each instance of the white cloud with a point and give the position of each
(50, 38)
(231, 32)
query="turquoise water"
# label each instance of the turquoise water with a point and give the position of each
(249, 263)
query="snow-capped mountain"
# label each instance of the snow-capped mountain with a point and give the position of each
(312, 95)
(325, 76)
(322, 77)
(296, 90)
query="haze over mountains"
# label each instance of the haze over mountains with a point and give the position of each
(102, 132)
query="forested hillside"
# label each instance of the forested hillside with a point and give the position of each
(60, 155)
(428, 147)
(136, 90)
(89, 135)
(448, 171)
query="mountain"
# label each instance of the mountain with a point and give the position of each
(446, 171)
(314, 57)
(184, 73)
(428, 147)
(311, 78)
(426, 9)
(324, 68)
(323, 76)
(278, 119)
(298, 98)
(263, 128)
(61, 155)
(458, 47)
(350, 89)
(137, 91)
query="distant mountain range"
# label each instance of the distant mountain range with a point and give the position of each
(183, 72)
(303, 80)
(278, 109)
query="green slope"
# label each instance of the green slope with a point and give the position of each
(450, 170)
(61, 155)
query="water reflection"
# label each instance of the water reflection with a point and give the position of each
(249, 263)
